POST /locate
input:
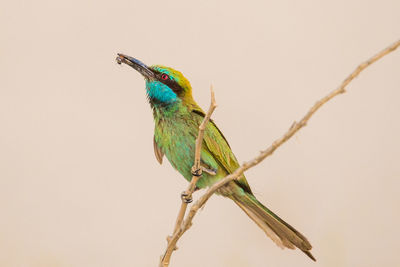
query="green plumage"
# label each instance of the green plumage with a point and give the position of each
(177, 118)
(175, 135)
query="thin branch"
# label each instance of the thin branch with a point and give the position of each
(296, 126)
(187, 195)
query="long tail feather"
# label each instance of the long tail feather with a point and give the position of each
(277, 229)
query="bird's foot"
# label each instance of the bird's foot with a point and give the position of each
(186, 197)
(197, 172)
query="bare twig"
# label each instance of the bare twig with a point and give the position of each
(295, 127)
(187, 195)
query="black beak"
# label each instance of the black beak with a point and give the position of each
(137, 65)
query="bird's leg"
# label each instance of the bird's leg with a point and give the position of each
(186, 196)
(209, 171)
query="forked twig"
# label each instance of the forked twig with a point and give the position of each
(187, 195)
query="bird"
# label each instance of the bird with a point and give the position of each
(177, 118)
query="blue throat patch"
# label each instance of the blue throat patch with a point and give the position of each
(161, 92)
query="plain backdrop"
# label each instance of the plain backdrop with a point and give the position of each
(80, 185)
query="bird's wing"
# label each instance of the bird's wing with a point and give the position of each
(218, 146)
(157, 151)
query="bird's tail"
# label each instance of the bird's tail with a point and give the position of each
(277, 229)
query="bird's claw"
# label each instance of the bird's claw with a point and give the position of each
(197, 172)
(186, 197)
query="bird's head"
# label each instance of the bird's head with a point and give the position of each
(164, 86)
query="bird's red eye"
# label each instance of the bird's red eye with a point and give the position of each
(164, 77)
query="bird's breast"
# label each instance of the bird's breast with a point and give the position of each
(176, 138)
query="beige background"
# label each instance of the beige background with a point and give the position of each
(80, 186)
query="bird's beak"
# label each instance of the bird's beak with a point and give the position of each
(137, 65)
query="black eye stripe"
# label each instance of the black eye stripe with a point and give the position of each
(173, 85)
(169, 82)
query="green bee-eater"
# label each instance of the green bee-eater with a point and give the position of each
(177, 118)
